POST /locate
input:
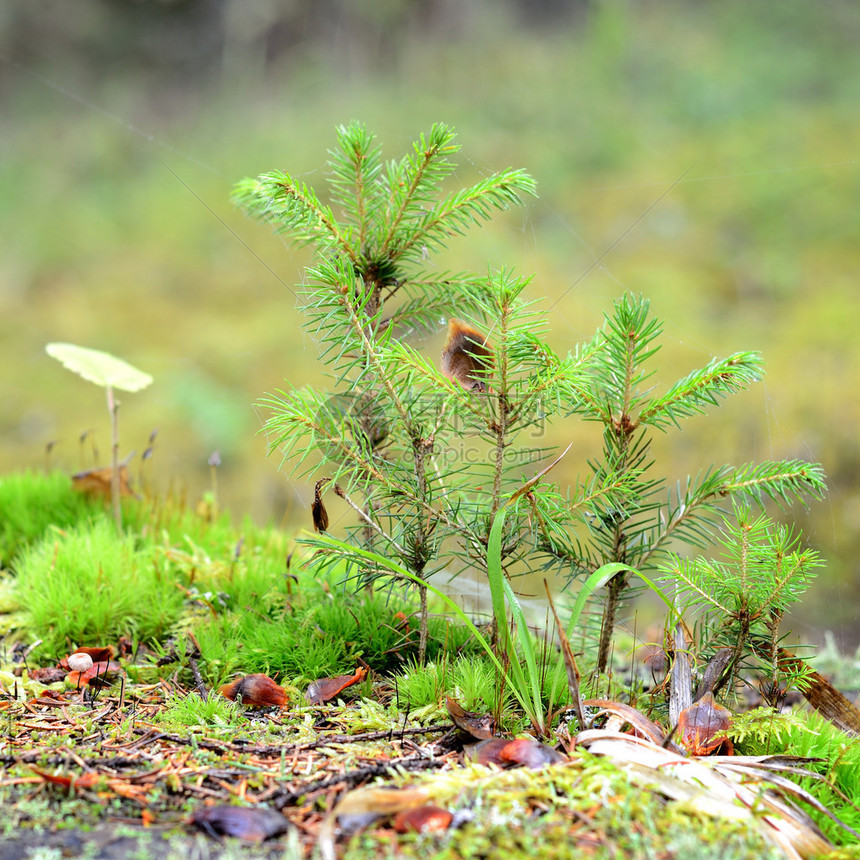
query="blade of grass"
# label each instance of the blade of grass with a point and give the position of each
(398, 570)
(500, 588)
(573, 676)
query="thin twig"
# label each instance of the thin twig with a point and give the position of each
(352, 778)
(195, 669)
(339, 491)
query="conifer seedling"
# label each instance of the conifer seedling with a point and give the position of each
(380, 433)
(110, 373)
(430, 452)
(742, 596)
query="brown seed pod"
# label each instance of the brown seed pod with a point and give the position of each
(318, 511)
(702, 726)
(467, 356)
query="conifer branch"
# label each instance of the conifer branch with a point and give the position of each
(781, 481)
(411, 179)
(355, 180)
(468, 207)
(398, 429)
(696, 580)
(291, 207)
(703, 388)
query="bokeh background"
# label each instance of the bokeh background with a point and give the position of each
(713, 147)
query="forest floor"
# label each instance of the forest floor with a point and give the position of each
(112, 774)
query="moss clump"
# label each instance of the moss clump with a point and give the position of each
(89, 586)
(318, 630)
(836, 757)
(191, 711)
(32, 502)
(586, 807)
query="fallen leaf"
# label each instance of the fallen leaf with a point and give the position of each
(52, 698)
(255, 691)
(627, 715)
(480, 726)
(253, 824)
(530, 753)
(48, 674)
(98, 655)
(422, 819)
(488, 752)
(96, 482)
(68, 781)
(362, 807)
(505, 753)
(325, 689)
(732, 788)
(702, 726)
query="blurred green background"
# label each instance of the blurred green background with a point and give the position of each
(126, 122)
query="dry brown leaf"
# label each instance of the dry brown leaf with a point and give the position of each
(530, 753)
(504, 753)
(255, 691)
(362, 807)
(637, 721)
(96, 482)
(422, 819)
(715, 786)
(480, 726)
(253, 824)
(48, 674)
(98, 655)
(488, 752)
(325, 689)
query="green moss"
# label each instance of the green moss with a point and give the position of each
(89, 586)
(763, 732)
(471, 679)
(586, 807)
(32, 502)
(169, 522)
(313, 629)
(192, 711)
